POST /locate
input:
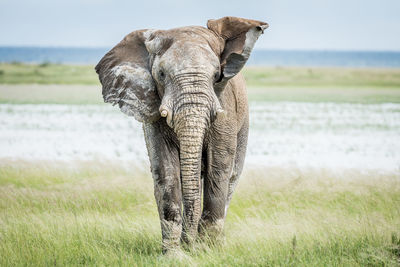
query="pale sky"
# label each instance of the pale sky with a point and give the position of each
(305, 24)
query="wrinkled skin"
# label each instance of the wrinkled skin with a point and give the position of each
(184, 85)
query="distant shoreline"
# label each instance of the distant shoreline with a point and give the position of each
(259, 57)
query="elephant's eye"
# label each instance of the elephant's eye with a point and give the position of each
(162, 75)
(216, 77)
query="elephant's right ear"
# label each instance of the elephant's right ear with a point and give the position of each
(126, 77)
(239, 36)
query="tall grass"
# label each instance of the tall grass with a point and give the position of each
(97, 214)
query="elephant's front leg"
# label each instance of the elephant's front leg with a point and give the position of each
(219, 166)
(164, 160)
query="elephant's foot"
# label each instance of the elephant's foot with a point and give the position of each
(189, 237)
(171, 232)
(175, 253)
(212, 231)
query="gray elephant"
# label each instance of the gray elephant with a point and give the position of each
(185, 87)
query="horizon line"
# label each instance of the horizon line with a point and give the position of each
(257, 49)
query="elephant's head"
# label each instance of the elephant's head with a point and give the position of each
(177, 75)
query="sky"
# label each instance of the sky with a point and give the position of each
(294, 25)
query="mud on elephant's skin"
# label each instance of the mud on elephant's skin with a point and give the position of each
(185, 87)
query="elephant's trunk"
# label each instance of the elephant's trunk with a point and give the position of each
(191, 142)
(191, 120)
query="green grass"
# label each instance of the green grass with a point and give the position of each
(96, 214)
(47, 73)
(78, 84)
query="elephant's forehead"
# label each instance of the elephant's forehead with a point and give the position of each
(197, 35)
(191, 32)
(187, 54)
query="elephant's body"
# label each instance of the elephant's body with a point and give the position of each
(184, 85)
(223, 155)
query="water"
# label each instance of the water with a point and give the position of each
(282, 134)
(52, 54)
(326, 58)
(258, 57)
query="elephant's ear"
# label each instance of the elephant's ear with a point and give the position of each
(125, 75)
(239, 36)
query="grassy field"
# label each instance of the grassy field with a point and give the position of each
(47, 73)
(96, 214)
(77, 84)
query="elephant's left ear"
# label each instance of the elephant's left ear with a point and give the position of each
(125, 74)
(239, 36)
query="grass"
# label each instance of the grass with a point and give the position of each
(78, 84)
(96, 214)
(47, 73)
(92, 213)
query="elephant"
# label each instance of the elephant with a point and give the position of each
(185, 86)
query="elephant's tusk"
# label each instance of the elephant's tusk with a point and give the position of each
(164, 113)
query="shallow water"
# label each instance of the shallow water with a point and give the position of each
(317, 135)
